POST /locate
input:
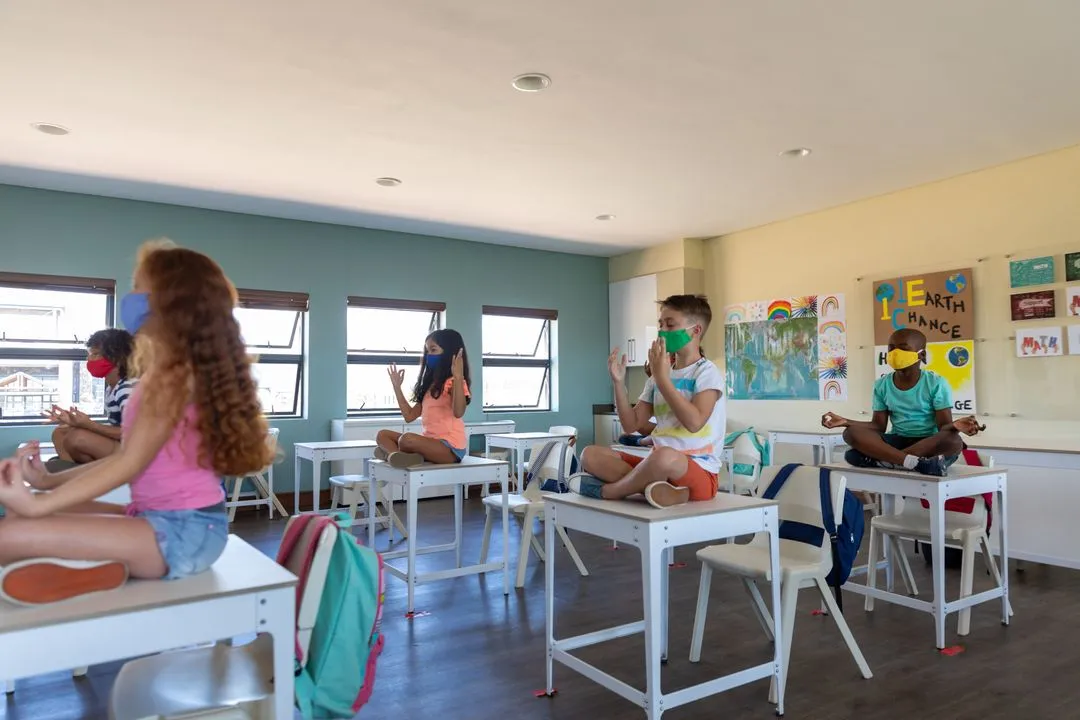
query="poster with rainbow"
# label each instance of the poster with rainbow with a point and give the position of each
(792, 348)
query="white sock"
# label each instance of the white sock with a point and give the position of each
(911, 462)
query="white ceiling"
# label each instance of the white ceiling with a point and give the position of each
(668, 114)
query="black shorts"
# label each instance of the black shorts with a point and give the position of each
(900, 442)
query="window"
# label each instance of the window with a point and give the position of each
(380, 332)
(272, 324)
(45, 321)
(517, 358)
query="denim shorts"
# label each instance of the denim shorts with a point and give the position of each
(459, 452)
(190, 541)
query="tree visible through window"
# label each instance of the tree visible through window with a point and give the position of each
(380, 332)
(45, 321)
(517, 358)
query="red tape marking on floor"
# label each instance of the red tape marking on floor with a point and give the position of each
(417, 614)
(545, 693)
(953, 650)
(817, 612)
(677, 565)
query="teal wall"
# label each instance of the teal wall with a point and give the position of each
(69, 234)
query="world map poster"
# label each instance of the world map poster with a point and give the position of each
(792, 348)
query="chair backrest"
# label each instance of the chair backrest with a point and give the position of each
(800, 501)
(977, 516)
(308, 609)
(551, 469)
(564, 430)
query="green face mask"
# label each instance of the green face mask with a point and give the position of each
(675, 340)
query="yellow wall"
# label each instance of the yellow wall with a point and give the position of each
(1027, 208)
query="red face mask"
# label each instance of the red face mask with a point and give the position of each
(99, 367)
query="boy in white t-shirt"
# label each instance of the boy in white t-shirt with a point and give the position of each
(686, 398)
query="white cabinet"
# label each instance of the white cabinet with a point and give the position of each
(633, 310)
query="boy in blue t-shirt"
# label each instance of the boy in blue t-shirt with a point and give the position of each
(918, 403)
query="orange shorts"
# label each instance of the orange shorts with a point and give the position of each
(702, 483)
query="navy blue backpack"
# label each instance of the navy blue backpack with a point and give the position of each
(845, 538)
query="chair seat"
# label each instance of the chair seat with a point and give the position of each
(918, 526)
(187, 681)
(518, 503)
(348, 482)
(797, 560)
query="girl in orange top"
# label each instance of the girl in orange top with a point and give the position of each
(441, 395)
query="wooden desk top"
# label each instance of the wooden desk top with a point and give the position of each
(644, 512)
(1066, 447)
(530, 436)
(467, 461)
(335, 444)
(813, 433)
(956, 472)
(240, 569)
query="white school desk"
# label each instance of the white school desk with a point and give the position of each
(244, 592)
(727, 457)
(962, 481)
(822, 441)
(1045, 492)
(656, 532)
(326, 451)
(470, 471)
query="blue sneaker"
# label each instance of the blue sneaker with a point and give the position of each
(935, 466)
(586, 485)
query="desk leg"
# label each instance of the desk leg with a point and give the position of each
(372, 486)
(520, 452)
(779, 670)
(296, 485)
(826, 451)
(887, 548)
(665, 581)
(1001, 517)
(653, 562)
(277, 616)
(457, 523)
(817, 454)
(772, 448)
(505, 485)
(549, 596)
(937, 548)
(413, 490)
(316, 482)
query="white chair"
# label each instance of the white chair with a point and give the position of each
(356, 486)
(913, 522)
(801, 565)
(553, 430)
(263, 480)
(222, 680)
(527, 507)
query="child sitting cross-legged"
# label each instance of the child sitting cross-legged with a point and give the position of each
(685, 396)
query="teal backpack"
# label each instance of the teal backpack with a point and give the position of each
(762, 449)
(338, 675)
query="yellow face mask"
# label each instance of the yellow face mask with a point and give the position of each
(900, 359)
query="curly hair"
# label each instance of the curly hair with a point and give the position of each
(192, 341)
(116, 346)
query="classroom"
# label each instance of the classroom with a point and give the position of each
(507, 359)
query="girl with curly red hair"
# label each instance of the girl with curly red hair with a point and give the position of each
(194, 417)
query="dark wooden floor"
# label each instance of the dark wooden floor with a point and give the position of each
(479, 655)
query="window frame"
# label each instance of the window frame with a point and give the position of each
(300, 303)
(54, 283)
(550, 317)
(359, 357)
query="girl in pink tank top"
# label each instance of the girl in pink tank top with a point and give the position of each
(194, 418)
(441, 395)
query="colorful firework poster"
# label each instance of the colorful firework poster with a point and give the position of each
(942, 306)
(790, 348)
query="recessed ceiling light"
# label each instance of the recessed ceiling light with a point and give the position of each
(50, 128)
(387, 182)
(796, 153)
(531, 82)
(605, 217)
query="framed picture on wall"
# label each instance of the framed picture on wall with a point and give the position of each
(1033, 305)
(1072, 266)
